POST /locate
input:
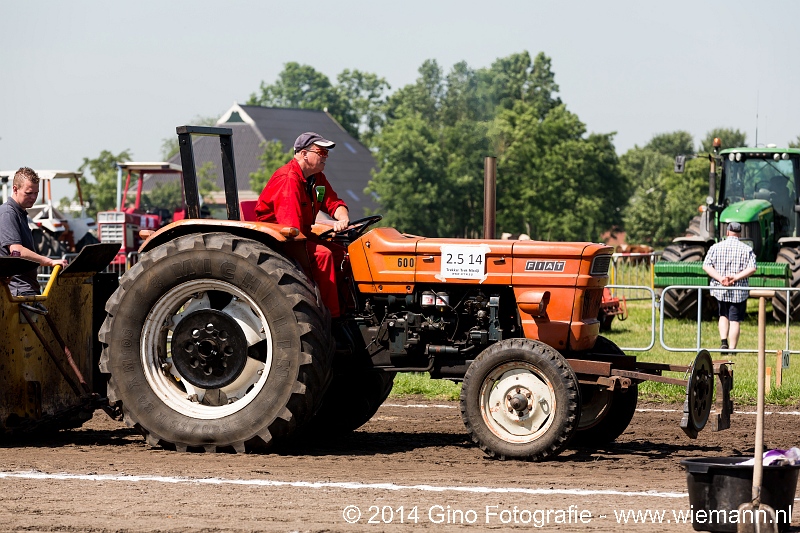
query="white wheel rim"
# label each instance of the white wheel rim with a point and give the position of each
(167, 383)
(501, 386)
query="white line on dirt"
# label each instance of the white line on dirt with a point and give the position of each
(642, 410)
(336, 485)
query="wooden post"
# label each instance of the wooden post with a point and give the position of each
(768, 381)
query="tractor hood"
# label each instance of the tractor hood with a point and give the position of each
(746, 211)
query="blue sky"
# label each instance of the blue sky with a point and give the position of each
(80, 77)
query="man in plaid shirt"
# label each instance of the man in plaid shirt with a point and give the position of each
(729, 263)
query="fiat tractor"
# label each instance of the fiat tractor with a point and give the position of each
(757, 188)
(217, 338)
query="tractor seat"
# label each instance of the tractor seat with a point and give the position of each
(763, 194)
(247, 208)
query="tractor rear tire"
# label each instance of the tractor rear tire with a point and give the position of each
(215, 342)
(48, 244)
(791, 256)
(683, 303)
(520, 400)
(605, 415)
(694, 227)
(351, 401)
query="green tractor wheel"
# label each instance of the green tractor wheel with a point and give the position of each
(683, 303)
(779, 304)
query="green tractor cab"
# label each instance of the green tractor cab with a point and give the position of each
(758, 189)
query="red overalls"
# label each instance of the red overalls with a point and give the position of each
(290, 199)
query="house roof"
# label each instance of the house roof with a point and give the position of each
(349, 167)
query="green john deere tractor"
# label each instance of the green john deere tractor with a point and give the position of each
(757, 188)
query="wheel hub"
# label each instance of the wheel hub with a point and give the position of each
(209, 349)
(520, 401)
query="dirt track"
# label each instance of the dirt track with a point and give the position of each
(403, 445)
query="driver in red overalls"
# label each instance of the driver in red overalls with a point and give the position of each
(294, 195)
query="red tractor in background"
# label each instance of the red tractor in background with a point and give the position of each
(124, 223)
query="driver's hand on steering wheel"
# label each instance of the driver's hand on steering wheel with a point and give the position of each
(341, 224)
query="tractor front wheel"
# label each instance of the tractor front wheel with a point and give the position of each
(520, 400)
(215, 342)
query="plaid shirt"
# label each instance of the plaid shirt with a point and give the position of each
(729, 257)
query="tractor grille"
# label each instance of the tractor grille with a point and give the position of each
(591, 303)
(751, 231)
(112, 232)
(600, 265)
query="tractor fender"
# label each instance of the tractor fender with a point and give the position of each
(694, 239)
(265, 232)
(789, 242)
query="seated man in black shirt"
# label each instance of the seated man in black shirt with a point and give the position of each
(16, 236)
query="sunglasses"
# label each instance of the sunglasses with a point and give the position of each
(322, 152)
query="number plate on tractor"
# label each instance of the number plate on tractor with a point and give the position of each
(464, 262)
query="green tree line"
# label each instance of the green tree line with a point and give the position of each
(556, 180)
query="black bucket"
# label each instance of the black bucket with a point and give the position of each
(718, 486)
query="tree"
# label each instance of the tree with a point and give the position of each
(728, 137)
(410, 180)
(207, 181)
(663, 202)
(556, 183)
(362, 96)
(298, 86)
(554, 180)
(672, 144)
(422, 98)
(101, 193)
(795, 143)
(518, 79)
(430, 155)
(164, 195)
(273, 157)
(642, 165)
(355, 102)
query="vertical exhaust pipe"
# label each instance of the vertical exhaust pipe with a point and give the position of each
(489, 197)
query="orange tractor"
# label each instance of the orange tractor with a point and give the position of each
(217, 338)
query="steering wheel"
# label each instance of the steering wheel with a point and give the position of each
(357, 229)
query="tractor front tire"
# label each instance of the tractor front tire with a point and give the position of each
(780, 306)
(520, 400)
(682, 303)
(215, 342)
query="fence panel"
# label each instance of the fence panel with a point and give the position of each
(700, 290)
(632, 270)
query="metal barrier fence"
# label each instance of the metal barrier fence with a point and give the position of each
(632, 269)
(700, 290)
(653, 307)
(43, 275)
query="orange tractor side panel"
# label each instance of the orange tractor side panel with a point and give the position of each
(387, 262)
(498, 260)
(383, 262)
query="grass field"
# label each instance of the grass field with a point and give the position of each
(636, 332)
